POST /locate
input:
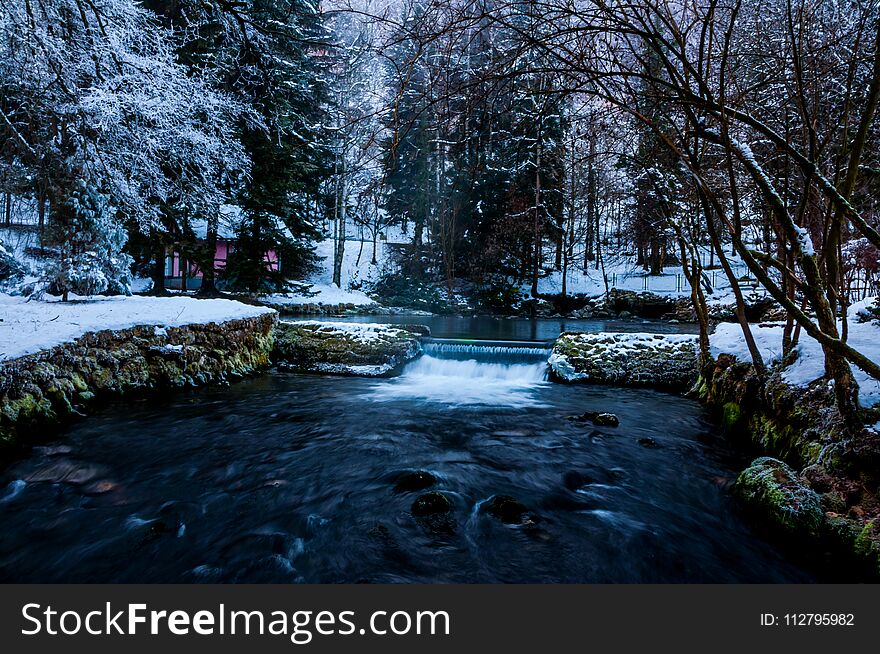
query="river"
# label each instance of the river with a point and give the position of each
(294, 478)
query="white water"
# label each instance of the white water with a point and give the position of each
(472, 350)
(494, 376)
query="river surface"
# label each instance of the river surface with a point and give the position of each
(292, 478)
(538, 329)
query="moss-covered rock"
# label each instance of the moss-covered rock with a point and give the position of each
(363, 349)
(796, 424)
(772, 492)
(655, 360)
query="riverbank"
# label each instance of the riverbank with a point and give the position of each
(819, 492)
(815, 487)
(59, 359)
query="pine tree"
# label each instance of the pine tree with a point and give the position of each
(280, 68)
(90, 245)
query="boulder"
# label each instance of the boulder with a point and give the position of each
(362, 349)
(666, 361)
(413, 480)
(508, 510)
(431, 504)
(598, 418)
(772, 492)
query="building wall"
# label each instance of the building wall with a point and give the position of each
(175, 265)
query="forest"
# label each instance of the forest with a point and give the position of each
(503, 140)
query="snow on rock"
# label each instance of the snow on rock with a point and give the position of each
(810, 363)
(30, 326)
(659, 360)
(362, 349)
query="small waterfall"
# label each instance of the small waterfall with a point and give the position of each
(505, 352)
(460, 372)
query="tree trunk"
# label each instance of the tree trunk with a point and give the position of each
(536, 262)
(41, 209)
(158, 265)
(656, 256)
(592, 205)
(339, 249)
(209, 272)
(757, 359)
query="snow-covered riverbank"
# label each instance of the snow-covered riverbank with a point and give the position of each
(27, 327)
(810, 363)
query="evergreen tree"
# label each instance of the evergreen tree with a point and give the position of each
(273, 55)
(280, 68)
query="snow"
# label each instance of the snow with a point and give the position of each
(630, 340)
(356, 270)
(30, 326)
(805, 241)
(810, 363)
(360, 331)
(728, 339)
(326, 294)
(623, 273)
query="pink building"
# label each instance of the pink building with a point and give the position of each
(181, 273)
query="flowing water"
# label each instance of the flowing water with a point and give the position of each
(291, 478)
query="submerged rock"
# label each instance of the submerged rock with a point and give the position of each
(600, 419)
(772, 491)
(362, 349)
(648, 442)
(413, 480)
(509, 510)
(431, 504)
(573, 480)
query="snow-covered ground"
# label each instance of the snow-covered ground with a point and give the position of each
(357, 269)
(810, 363)
(622, 273)
(359, 331)
(18, 241)
(326, 294)
(28, 327)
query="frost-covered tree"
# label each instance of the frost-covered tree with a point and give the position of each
(356, 133)
(109, 127)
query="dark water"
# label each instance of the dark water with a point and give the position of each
(289, 478)
(540, 329)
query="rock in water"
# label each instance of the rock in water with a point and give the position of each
(509, 510)
(773, 493)
(573, 480)
(413, 480)
(598, 418)
(430, 504)
(648, 442)
(667, 361)
(606, 420)
(362, 349)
